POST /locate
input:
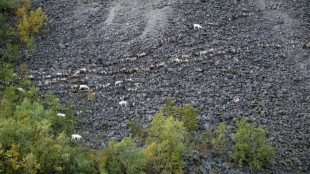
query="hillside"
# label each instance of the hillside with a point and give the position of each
(249, 58)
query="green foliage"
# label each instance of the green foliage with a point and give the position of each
(166, 146)
(25, 83)
(9, 4)
(186, 113)
(12, 163)
(3, 26)
(10, 93)
(251, 145)
(6, 72)
(30, 23)
(50, 154)
(219, 142)
(30, 164)
(6, 110)
(57, 156)
(30, 43)
(11, 53)
(31, 140)
(123, 157)
(16, 97)
(8, 129)
(30, 113)
(59, 124)
(135, 129)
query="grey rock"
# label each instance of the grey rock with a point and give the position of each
(206, 125)
(111, 133)
(203, 170)
(62, 46)
(196, 157)
(226, 116)
(199, 70)
(170, 69)
(123, 124)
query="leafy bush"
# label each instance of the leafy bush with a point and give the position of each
(11, 52)
(30, 164)
(6, 110)
(3, 26)
(219, 142)
(251, 145)
(57, 156)
(31, 140)
(9, 4)
(123, 157)
(186, 113)
(135, 128)
(58, 124)
(29, 112)
(6, 72)
(23, 8)
(30, 23)
(166, 146)
(29, 143)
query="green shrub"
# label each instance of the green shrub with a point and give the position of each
(251, 145)
(6, 110)
(8, 129)
(11, 52)
(30, 23)
(186, 113)
(9, 4)
(6, 73)
(59, 124)
(30, 164)
(166, 146)
(123, 157)
(10, 93)
(135, 128)
(3, 26)
(219, 142)
(52, 153)
(30, 112)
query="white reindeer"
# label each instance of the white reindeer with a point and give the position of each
(197, 26)
(76, 137)
(84, 87)
(123, 102)
(82, 70)
(20, 89)
(118, 83)
(61, 115)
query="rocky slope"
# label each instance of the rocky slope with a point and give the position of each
(250, 58)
